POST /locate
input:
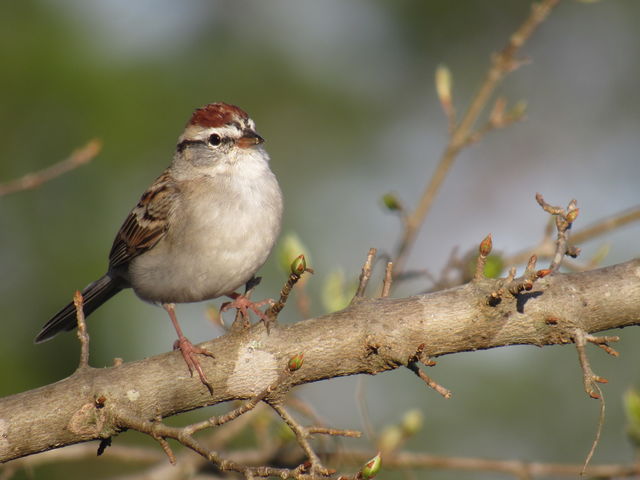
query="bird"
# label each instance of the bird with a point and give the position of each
(200, 231)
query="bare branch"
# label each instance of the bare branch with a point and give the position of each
(366, 274)
(515, 286)
(547, 247)
(388, 280)
(371, 336)
(334, 432)
(501, 64)
(606, 225)
(229, 416)
(516, 468)
(564, 219)
(589, 378)
(298, 268)
(82, 333)
(33, 180)
(301, 435)
(413, 366)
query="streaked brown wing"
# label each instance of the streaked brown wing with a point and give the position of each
(146, 223)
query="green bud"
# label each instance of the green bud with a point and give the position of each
(519, 109)
(443, 84)
(299, 265)
(296, 362)
(485, 246)
(391, 202)
(289, 248)
(412, 422)
(372, 467)
(572, 215)
(390, 438)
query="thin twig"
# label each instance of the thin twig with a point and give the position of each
(301, 434)
(546, 247)
(498, 119)
(293, 278)
(32, 180)
(501, 64)
(304, 408)
(83, 335)
(388, 280)
(366, 274)
(588, 377)
(513, 285)
(603, 343)
(606, 225)
(161, 431)
(564, 220)
(166, 448)
(229, 416)
(520, 469)
(596, 439)
(413, 366)
(334, 431)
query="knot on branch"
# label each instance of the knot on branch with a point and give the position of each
(514, 286)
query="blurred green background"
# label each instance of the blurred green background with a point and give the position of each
(343, 92)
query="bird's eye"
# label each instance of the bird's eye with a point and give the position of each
(215, 140)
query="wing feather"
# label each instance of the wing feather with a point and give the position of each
(146, 224)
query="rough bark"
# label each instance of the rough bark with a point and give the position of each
(370, 336)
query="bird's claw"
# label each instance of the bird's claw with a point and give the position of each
(243, 305)
(188, 351)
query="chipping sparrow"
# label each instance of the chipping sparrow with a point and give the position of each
(200, 231)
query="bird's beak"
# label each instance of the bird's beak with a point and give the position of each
(248, 139)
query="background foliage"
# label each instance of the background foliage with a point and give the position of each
(343, 92)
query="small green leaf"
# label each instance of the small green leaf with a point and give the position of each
(494, 266)
(632, 410)
(336, 294)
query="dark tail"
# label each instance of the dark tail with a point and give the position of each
(94, 294)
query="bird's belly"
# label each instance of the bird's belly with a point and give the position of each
(220, 261)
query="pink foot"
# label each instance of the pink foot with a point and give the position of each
(243, 304)
(189, 350)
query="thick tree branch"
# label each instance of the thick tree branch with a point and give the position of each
(370, 336)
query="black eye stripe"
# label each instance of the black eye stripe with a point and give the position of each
(185, 143)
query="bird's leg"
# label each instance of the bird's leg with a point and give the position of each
(242, 303)
(187, 348)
